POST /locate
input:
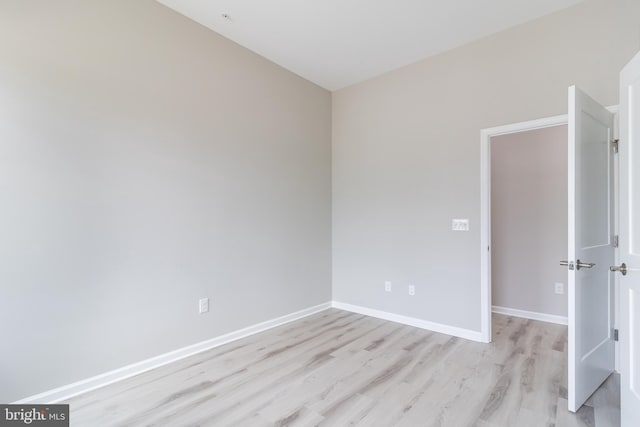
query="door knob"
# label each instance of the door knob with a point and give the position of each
(621, 268)
(567, 264)
(580, 264)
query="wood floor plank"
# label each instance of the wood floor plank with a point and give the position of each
(606, 403)
(337, 368)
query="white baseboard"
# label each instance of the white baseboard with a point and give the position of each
(411, 321)
(543, 317)
(68, 391)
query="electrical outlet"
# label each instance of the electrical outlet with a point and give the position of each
(387, 286)
(559, 288)
(412, 290)
(203, 305)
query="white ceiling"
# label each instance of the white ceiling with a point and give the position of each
(336, 43)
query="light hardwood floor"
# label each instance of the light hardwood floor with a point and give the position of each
(337, 368)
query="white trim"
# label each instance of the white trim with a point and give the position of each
(68, 391)
(533, 315)
(411, 321)
(616, 224)
(571, 281)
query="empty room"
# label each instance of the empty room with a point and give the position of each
(320, 213)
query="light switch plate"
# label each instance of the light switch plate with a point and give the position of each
(460, 224)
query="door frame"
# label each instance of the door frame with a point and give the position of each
(485, 211)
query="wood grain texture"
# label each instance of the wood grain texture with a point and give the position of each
(337, 368)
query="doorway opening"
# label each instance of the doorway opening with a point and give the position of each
(519, 223)
(487, 136)
(529, 224)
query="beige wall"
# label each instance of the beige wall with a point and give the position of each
(406, 153)
(146, 162)
(529, 220)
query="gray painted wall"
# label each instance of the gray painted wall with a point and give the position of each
(406, 153)
(529, 220)
(146, 162)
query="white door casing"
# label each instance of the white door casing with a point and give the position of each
(630, 243)
(591, 229)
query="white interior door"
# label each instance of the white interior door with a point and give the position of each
(630, 243)
(591, 251)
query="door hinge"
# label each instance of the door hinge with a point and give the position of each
(616, 145)
(615, 335)
(616, 242)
